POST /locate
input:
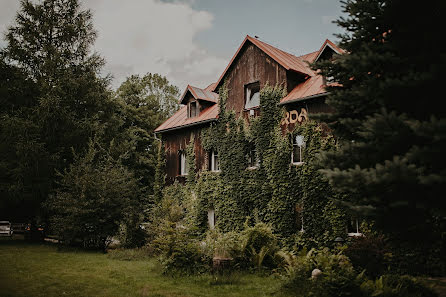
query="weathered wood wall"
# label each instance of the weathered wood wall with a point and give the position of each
(176, 141)
(252, 65)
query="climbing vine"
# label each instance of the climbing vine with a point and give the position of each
(296, 201)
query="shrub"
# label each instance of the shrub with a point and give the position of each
(337, 278)
(259, 246)
(370, 253)
(132, 234)
(173, 239)
(222, 244)
(396, 286)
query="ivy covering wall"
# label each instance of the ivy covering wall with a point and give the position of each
(296, 201)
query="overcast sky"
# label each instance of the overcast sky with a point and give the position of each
(192, 41)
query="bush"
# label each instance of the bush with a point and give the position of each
(224, 245)
(338, 278)
(259, 246)
(370, 253)
(95, 193)
(132, 234)
(173, 239)
(396, 286)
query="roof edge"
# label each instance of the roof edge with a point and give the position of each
(304, 98)
(330, 44)
(185, 126)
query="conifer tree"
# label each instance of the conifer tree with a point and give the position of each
(60, 101)
(388, 117)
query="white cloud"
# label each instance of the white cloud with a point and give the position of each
(140, 36)
(8, 9)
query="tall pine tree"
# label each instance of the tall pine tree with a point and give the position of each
(389, 119)
(60, 102)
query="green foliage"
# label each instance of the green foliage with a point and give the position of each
(270, 192)
(370, 253)
(95, 192)
(54, 99)
(390, 159)
(338, 278)
(144, 103)
(396, 286)
(173, 238)
(259, 245)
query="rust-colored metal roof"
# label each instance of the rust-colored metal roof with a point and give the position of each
(313, 86)
(180, 119)
(200, 94)
(211, 87)
(330, 44)
(287, 60)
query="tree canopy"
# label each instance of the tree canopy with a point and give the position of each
(388, 116)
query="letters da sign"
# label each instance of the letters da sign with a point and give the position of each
(294, 116)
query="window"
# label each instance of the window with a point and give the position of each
(193, 109)
(298, 146)
(252, 95)
(215, 163)
(253, 161)
(300, 217)
(183, 163)
(211, 218)
(353, 227)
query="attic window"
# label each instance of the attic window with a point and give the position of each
(252, 95)
(193, 109)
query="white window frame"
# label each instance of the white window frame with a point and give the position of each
(357, 233)
(183, 163)
(215, 166)
(301, 147)
(211, 218)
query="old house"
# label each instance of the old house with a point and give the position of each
(254, 64)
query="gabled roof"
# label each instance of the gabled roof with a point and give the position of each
(199, 94)
(180, 119)
(286, 60)
(331, 45)
(313, 86)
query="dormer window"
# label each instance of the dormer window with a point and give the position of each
(252, 95)
(193, 110)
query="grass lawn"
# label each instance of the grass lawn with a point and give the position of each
(41, 270)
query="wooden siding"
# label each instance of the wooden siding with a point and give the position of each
(176, 141)
(312, 106)
(252, 65)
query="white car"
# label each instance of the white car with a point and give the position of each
(5, 228)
